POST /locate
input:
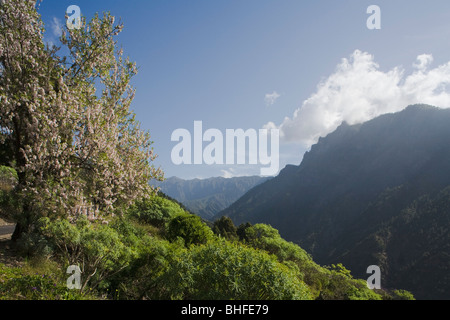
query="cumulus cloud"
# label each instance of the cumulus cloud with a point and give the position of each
(423, 61)
(270, 98)
(358, 91)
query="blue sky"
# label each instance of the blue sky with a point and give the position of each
(215, 62)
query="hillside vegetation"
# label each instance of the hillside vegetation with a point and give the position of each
(157, 250)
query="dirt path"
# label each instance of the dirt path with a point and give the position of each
(8, 255)
(6, 229)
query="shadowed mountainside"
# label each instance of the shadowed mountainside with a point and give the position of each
(373, 193)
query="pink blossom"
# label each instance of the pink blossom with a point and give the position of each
(75, 147)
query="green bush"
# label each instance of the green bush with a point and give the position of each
(9, 206)
(190, 228)
(402, 295)
(157, 211)
(8, 178)
(225, 227)
(100, 250)
(34, 244)
(334, 283)
(224, 270)
(267, 238)
(146, 276)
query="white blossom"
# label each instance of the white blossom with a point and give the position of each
(77, 147)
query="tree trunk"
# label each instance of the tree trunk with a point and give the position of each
(23, 221)
(22, 224)
(17, 232)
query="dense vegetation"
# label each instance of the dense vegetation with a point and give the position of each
(157, 250)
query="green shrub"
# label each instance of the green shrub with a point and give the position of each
(157, 211)
(267, 238)
(8, 178)
(335, 283)
(402, 295)
(9, 206)
(224, 270)
(100, 250)
(145, 277)
(225, 227)
(34, 244)
(190, 228)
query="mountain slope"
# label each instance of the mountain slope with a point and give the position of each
(345, 201)
(207, 197)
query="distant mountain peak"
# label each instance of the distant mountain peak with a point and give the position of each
(206, 197)
(421, 106)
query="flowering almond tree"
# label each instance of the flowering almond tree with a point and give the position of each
(75, 141)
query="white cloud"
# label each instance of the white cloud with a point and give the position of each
(56, 26)
(230, 173)
(358, 91)
(270, 98)
(423, 61)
